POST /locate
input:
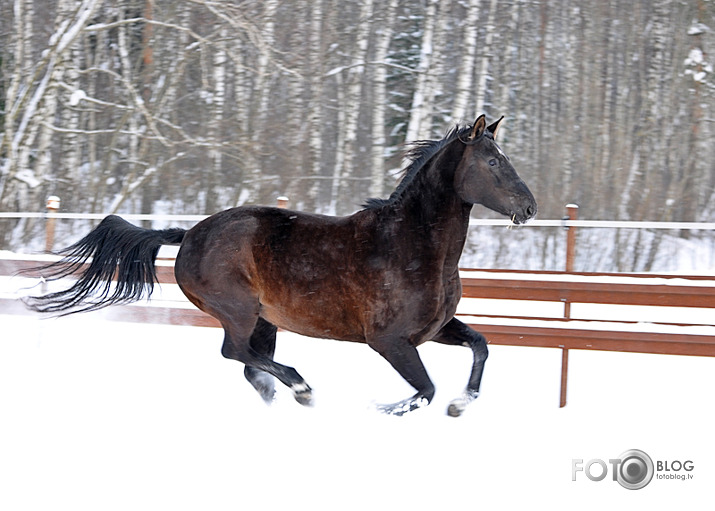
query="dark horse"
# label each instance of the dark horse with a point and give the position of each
(386, 275)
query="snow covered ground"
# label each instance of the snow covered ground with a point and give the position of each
(102, 415)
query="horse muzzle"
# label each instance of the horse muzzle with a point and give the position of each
(524, 211)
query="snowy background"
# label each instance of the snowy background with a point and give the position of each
(104, 415)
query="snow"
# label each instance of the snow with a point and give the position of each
(696, 60)
(28, 177)
(77, 96)
(102, 415)
(695, 57)
(698, 28)
(106, 415)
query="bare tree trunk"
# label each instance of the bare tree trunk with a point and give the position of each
(215, 136)
(486, 52)
(465, 75)
(697, 137)
(352, 102)
(243, 87)
(262, 88)
(70, 95)
(339, 154)
(647, 139)
(420, 110)
(382, 45)
(572, 90)
(131, 181)
(510, 76)
(92, 146)
(315, 108)
(609, 81)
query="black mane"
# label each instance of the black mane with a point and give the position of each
(419, 153)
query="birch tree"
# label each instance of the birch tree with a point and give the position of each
(486, 55)
(216, 98)
(354, 80)
(379, 95)
(420, 111)
(465, 76)
(315, 116)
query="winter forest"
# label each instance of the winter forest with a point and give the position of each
(194, 106)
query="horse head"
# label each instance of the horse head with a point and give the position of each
(486, 176)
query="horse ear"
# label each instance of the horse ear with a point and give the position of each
(477, 129)
(494, 127)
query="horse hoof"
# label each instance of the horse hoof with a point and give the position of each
(456, 408)
(401, 408)
(303, 394)
(304, 398)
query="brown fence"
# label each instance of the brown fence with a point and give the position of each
(670, 335)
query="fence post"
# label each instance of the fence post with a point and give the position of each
(572, 214)
(53, 205)
(282, 202)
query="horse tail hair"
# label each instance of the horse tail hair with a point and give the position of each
(115, 249)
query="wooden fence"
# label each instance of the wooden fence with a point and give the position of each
(677, 333)
(520, 324)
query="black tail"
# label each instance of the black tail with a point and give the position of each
(113, 242)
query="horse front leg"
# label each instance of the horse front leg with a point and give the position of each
(457, 333)
(403, 357)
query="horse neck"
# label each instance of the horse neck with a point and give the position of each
(432, 207)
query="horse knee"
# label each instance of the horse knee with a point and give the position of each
(482, 352)
(479, 346)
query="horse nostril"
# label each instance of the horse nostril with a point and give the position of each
(530, 211)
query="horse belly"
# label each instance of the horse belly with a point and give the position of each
(314, 318)
(361, 314)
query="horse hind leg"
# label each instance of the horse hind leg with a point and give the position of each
(263, 340)
(260, 365)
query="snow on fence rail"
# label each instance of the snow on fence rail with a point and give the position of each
(562, 310)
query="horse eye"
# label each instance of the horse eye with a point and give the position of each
(493, 162)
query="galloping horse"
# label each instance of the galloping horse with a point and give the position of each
(386, 276)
